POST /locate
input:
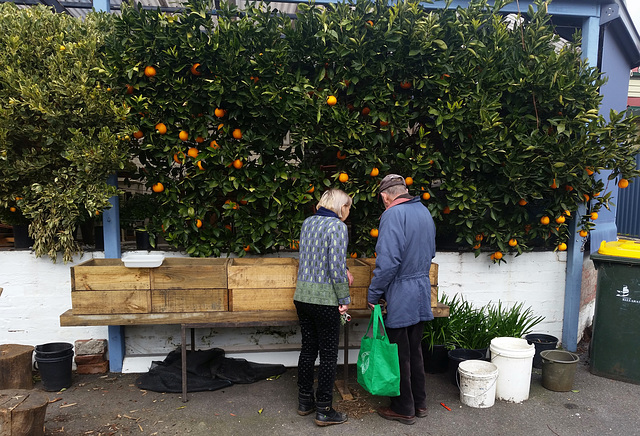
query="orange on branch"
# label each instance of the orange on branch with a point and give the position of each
(332, 100)
(373, 233)
(374, 172)
(149, 71)
(161, 128)
(158, 187)
(343, 177)
(183, 135)
(193, 152)
(237, 133)
(237, 164)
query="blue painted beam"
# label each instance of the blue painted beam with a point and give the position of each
(112, 250)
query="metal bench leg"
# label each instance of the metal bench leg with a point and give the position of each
(183, 350)
(342, 386)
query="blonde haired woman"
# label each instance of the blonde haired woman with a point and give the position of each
(322, 295)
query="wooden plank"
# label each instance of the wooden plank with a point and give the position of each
(249, 300)
(262, 273)
(361, 272)
(189, 273)
(106, 275)
(434, 296)
(220, 319)
(189, 300)
(125, 301)
(358, 297)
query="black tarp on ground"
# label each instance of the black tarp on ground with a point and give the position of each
(207, 370)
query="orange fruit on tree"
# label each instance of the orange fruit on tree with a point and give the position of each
(199, 139)
(294, 245)
(138, 134)
(353, 255)
(373, 233)
(589, 170)
(384, 123)
(623, 183)
(341, 156)
(343, 177)
(237, 164)
(311, 189)
(193, 152)
(522, 202)
(183, 135)
(595, 194)
(194, 69)
(158, 187)
(446, 210)
(567, 212)
(214, 144)
(562, 246)
(513, 242)
(405, 84)
(586, 198)
(560, 219)
(497, 255)
(247, 248)
(553, 185)
(374, 172)
(198, 223)
(161, 128)
(176, 159)
(583, 233)
(220, 126)
(408, 181)
(594, 216)
(332, 100)
(12, 209)
(370, 23)
(129, 89)
(237, 133)
(219, 112)
(478, 245)
(568, 188)
(479, 236)
(199, 164)
(365, 111)
(149, 71)
(426, 196)
(544, 220)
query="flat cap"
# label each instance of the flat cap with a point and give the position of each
(391, 180)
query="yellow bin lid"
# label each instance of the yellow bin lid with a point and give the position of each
(621, 248)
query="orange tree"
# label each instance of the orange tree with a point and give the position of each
(244, 117)
(59, 124)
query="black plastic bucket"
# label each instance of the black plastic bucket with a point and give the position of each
(54, 349)
(460, 355)
(542, 343)
(55, 372)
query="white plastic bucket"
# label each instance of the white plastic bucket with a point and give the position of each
(514, 359)
(478, 383)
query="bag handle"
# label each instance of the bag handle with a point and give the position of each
(377, 321)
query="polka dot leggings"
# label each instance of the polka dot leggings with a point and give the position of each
(320, 330)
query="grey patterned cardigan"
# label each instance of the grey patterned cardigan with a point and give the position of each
(322, 273)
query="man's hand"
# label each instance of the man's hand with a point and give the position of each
(371, 306)
(350, 277)
(343, 308)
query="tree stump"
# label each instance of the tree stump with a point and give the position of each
(15, 366)
(22, 412)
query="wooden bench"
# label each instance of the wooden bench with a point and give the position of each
(274, 318)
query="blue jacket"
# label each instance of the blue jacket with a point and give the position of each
(406, 245)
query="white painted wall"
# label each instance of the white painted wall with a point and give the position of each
(36, 292)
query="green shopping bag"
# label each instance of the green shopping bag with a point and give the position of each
(378, 364)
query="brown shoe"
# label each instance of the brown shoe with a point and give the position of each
(389, 414)
(421, 412)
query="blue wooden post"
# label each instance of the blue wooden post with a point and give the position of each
(575, 256)
(112, 250)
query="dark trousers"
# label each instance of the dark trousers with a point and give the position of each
(320, 330)
(413, 390)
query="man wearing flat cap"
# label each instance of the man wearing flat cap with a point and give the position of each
(405, 247)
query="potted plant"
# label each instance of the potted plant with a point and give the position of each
(135, 213)
(437, 339)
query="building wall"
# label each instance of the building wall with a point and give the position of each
(37, 291)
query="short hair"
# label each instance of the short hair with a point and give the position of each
(334, 199)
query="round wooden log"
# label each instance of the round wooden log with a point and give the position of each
(15, 366)
(22, 412)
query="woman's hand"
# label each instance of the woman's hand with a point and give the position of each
(343, 308)
(350, 277)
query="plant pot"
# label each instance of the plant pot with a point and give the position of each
(142, 240)
(21, 237)
(460, 355)
(542, 343)
(436, 360)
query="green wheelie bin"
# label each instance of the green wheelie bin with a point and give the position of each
(615, 342)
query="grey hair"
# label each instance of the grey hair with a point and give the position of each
(396, 190)
(334, 199)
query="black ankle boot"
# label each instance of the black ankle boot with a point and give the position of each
(306, 404)
(327, 415)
